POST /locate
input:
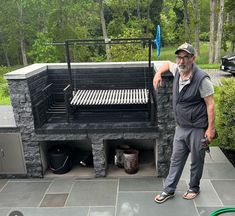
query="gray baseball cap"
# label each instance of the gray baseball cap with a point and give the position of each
(187, 48)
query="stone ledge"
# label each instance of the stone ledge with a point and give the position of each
(28, 71)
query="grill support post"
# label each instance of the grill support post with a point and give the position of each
(67, 97)
(69, 63)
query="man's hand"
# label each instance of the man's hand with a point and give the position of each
(210, 134)
(210, 105)
(157, 80)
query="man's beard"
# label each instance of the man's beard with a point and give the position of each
(183, 68)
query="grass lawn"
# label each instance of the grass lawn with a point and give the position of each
(168, 53)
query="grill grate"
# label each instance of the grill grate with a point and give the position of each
(111, 97)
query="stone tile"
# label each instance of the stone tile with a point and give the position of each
(208, 195)
(186, 172)
(213, 171)
(225, 190)
(5, 211)
(61, 186)
(72, 211)
(140, 184)
(102, 211)
(219, 171)
(205, 211)
(30, 180)
(23, 194)
(147, 184)
(54, 200)
(93, 193)
(182, 186)
(217, 156)
(145, 170)
(142, 203)
(76, 172)
(2, 183)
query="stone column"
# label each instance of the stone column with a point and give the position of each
(99, 156)
(166, 125)
(22, 107)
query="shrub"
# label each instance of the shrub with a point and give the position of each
(226, 115)
(4, 92)
(3, 70)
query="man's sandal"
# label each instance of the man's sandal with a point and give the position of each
(190, 194)
(161, 198)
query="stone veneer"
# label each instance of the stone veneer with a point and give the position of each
(20, 83)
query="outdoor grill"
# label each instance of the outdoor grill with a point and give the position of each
(92, 107)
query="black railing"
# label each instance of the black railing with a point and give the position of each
(86, 42)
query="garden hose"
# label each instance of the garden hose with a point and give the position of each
(221, 211)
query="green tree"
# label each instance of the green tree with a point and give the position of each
(25, 24)
(229, 27)
(129, 52)
(41, 50)
(18, 28)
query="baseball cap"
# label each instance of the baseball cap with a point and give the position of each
(187, 48)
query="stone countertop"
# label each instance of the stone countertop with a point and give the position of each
(7, 119)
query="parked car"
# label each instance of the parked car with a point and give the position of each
(228, 64)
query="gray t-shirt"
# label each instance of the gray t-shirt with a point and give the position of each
(206, 88)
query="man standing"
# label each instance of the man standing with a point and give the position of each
(193, 105)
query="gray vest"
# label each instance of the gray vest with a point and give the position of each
(189, 108)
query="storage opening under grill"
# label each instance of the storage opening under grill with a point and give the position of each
(81, 161)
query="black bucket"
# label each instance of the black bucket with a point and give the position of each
(60, 159)
(131, 161)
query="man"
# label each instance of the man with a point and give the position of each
(193, 105)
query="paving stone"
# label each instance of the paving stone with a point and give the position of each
(54, 200)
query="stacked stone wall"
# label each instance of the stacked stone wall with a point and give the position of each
(23, 92)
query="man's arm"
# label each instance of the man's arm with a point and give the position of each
(157, 80)
(210, 105)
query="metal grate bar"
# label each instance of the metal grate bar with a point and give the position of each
(97, 98)
(110, 97)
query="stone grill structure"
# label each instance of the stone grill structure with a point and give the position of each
(26, 86)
